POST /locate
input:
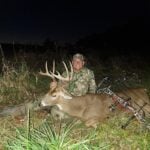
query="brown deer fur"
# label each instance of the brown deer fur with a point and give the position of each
(91, 108)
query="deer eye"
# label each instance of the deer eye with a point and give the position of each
(54, 95)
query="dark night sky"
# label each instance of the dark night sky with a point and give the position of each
(64, 20)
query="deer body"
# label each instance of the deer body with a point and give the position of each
(93, 108)
(90, 108)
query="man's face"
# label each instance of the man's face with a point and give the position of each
(77, 64)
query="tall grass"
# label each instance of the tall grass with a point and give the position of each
(17, 84)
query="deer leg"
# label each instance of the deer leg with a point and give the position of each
(92, 122)
(58, 114)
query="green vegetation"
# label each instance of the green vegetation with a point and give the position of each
(71, 135)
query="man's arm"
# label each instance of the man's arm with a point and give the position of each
(92, 83)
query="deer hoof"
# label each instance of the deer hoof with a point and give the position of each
(91, 123)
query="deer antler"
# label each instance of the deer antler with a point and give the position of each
(58, 76)
(47, 72)
(68, 77)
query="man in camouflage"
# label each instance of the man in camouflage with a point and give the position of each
(83, 81)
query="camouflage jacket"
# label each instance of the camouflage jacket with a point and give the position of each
(82, 82)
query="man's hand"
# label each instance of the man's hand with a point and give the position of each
(53, 84)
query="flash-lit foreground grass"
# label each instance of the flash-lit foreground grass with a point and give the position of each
(37, 133)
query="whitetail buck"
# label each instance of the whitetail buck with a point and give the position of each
(90, 108)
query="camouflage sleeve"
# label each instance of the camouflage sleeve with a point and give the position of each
(92, 83)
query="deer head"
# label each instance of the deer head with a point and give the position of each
(56, 92)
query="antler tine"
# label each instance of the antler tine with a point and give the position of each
(53, 66)
(67, 78)
(53, 69)
(47, 72)
(71, 67)
(67, 72)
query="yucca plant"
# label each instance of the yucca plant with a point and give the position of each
(51, 137)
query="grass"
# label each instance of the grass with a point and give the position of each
(52, 135)
(16, 85)
(19, 83)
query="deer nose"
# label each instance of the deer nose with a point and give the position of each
(40, 104)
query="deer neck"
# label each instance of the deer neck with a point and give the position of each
(71, 107)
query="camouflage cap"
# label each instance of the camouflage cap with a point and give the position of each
(79, 56)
